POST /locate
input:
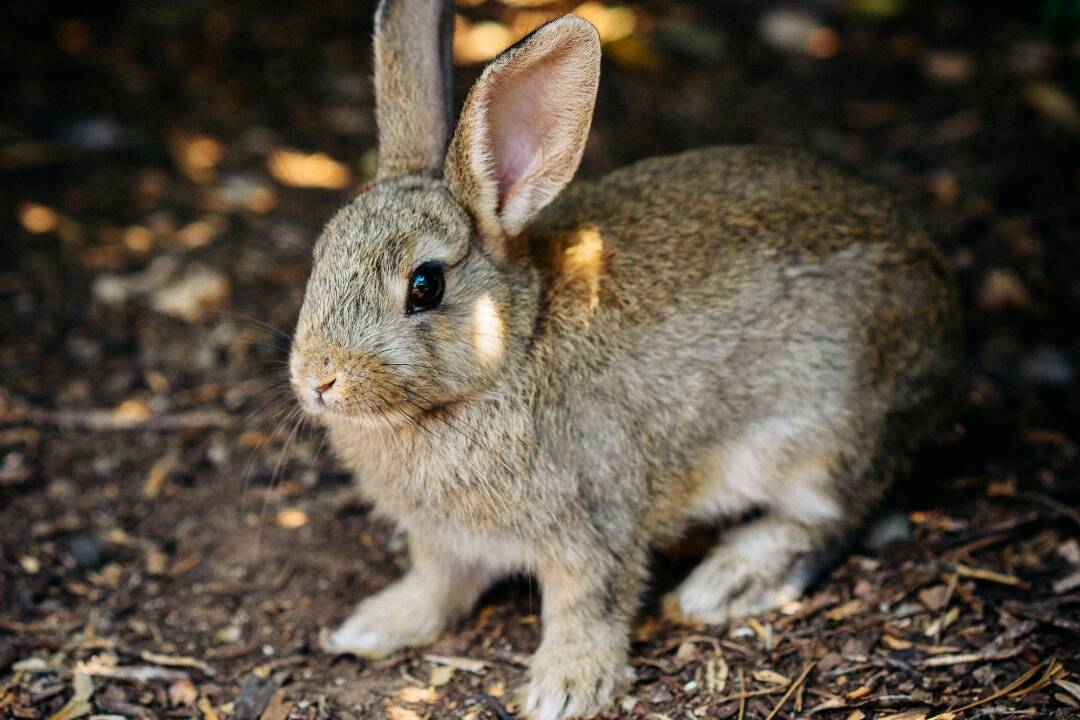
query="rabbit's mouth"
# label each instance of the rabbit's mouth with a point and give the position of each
(389, 417)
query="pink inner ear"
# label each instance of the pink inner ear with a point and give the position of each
(522, 111)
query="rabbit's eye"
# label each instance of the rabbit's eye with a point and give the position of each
(425, 288)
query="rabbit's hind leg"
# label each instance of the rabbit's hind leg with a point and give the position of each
(759, 566)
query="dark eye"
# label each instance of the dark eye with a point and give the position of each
(425, 288)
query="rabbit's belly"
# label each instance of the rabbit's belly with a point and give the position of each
(775, 465)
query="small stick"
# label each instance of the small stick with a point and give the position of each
(1052, 672)
(742, 693)
(751, 694)
(791, 688)
(15, 412)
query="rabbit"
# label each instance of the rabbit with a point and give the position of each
(529, 375)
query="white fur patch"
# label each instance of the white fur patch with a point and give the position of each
(778, 465)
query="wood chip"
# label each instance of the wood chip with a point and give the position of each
(769, 676)
(943, 660)
(848, 609)
(895, 643)
(394, 712)
(417, 694)
(159, 473)
(1067, 583)
(440, 675)
(279, 706)
(1069, 687)
(79, 704)
(477, 667)
(989, 576)
(178, 661)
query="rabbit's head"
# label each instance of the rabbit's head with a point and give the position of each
(419, 296)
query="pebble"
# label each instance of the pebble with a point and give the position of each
(193, 296)
(87, 550)
(1002, 288)
(1048, 366)
(788, 29)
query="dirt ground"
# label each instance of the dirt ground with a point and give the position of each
(171, 542)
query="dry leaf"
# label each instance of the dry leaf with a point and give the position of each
(424, 695)
(770, 677)
(182, 693)
(394, 712)
(291, 518)
(935, 598)
(79, 704)
(440, 675)
(842, 612)
(895, 643)
(686, 653)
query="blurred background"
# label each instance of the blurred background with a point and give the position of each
(164, 170)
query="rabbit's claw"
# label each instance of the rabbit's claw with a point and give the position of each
(572, 682)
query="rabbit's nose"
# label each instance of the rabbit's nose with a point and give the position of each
(326, 385)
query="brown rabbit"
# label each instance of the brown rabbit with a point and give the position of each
(531, 376)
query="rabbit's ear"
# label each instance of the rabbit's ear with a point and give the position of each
(413, 89)
(523, 128)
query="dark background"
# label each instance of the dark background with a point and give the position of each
(157, 164)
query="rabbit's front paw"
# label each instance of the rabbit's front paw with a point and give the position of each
(573, 681)
(388, 621)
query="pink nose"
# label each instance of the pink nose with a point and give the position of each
(326, 386)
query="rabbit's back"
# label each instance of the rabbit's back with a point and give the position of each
(697, 297)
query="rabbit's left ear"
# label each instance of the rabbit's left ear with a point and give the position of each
(523, 128)
(412, 85)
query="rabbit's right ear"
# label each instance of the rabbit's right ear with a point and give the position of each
(413, 95)
(523, 128)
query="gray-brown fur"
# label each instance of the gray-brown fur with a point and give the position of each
(412, 88)
(685, 340)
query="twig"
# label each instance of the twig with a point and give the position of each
(989, 576)
(138, 673)
(1055, 505)
(177, 661)
(752, 694)
(943, 660)
(791, 689)
(477, 667)
(17, 412)
(742, 693)
(1053, 671)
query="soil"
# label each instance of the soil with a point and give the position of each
(170, 533)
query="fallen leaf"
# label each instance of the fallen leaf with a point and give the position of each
(291, 518)
(79, 704)
(159, 472)
(770, 677)
(394, 712)
(440, 675)
(935, 598)
(416, 694)
(182, 693)
(895, 643)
